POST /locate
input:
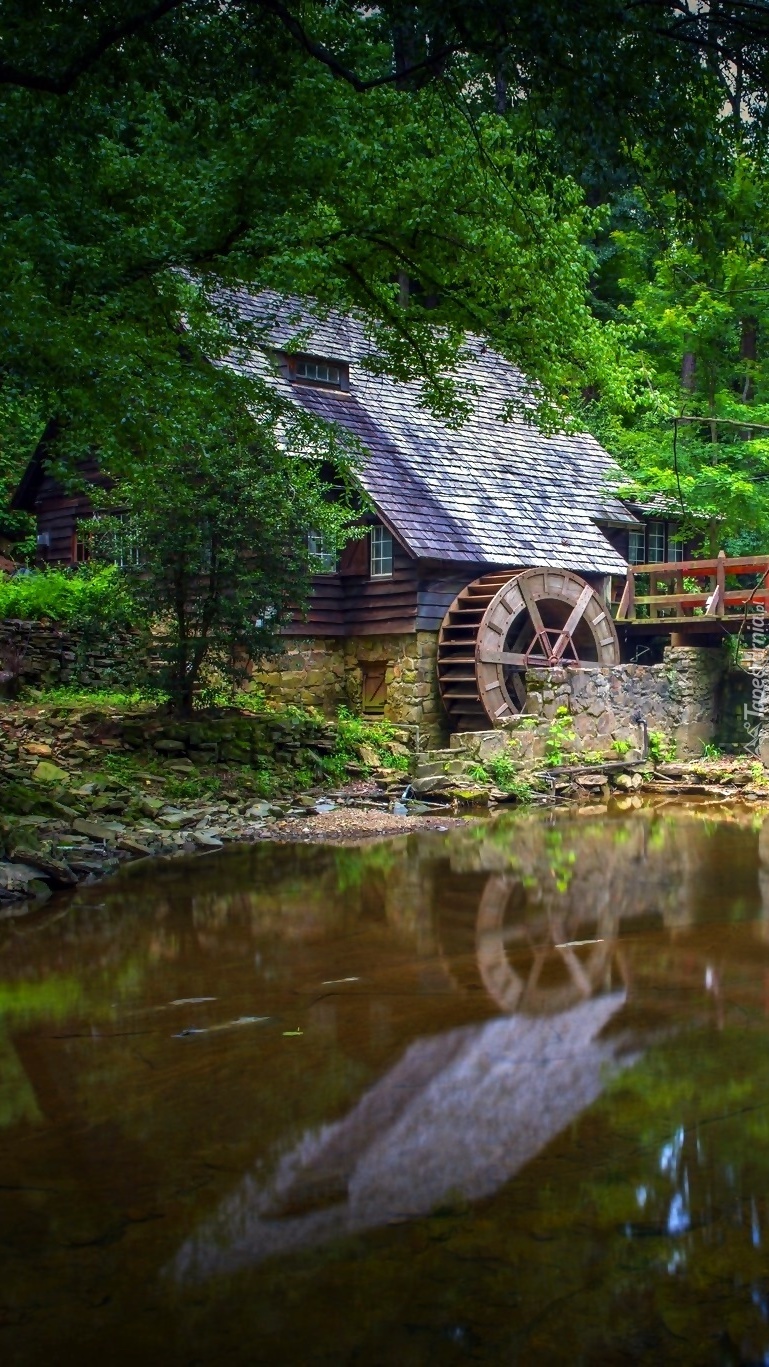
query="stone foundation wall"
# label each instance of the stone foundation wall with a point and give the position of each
(411, 677)
(329, 672)
(39, 653)
(308, 673)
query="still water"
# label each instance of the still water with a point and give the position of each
(498, 1096)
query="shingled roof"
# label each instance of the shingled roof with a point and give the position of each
(495, 491)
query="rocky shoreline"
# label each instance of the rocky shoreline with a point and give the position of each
(83, 792)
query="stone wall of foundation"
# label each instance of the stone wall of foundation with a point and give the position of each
(308, 673)
(411, 677)
(327, 673)
(682, 698)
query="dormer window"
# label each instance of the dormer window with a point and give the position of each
(316, 370)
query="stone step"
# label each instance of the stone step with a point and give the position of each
(430, 769)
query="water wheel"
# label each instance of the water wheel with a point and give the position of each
(502, 625)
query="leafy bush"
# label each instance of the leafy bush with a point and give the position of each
(661, 749)
(87, 597)
(352, 733)
(560, 734)
(621, 747)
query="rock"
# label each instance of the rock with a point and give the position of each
(38, 747)
(46, 772)
(150, 806)
(170, 821)
(397, 749)
(624, 781)
(17, 877)
(206, 841)
(259, 810)
(181, 766)
(98, 830)
(591, 780)
(56, 870)
(131, 846)
(170, 747)
(368, 754)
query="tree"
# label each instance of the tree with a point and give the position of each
(214, 537)
(696, 301)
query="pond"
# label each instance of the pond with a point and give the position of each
(499, 1095)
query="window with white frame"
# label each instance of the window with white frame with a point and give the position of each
(656, 542)
(119, 543)
(675, 543)
(318, 371)
(637, 546)
(322, 554)
(381, 553)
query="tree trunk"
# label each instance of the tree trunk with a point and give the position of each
(688, 371)
(748, 355)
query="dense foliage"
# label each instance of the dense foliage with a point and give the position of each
(583, 184)
(96, 596)
(214, 541)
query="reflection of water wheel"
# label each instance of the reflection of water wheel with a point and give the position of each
(548, 977)
(501, 625)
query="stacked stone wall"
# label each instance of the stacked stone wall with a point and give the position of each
(40, 653)
(681, 697)
(326, 673)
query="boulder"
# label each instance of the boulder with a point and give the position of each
(55, 870)
(97, 830)
(46, 772)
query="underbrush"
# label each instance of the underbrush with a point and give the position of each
(356, 735)
(92, 596)
(71, 695)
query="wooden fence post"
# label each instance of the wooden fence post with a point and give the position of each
(720, 602)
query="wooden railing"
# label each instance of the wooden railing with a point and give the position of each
(668, 600)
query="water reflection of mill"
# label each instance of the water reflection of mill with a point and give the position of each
(461, 1112)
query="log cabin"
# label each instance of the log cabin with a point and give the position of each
(399, 621)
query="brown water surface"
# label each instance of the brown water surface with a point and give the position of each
(498, 1096)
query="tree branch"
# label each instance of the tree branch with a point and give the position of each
(60, 85)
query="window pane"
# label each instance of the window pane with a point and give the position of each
(323, 555)
(381, 553)
(675, 547)
(656, 542)
(321, 371)
(637, 547)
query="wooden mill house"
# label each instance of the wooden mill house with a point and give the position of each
(489, 548)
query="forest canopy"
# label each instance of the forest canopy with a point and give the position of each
(582, 184)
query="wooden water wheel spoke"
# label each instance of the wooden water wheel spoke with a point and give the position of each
(506, 623)
(533, 611)
(503, 657)
(575, 617)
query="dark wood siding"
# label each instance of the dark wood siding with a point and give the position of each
(59, 512)
(325, 612)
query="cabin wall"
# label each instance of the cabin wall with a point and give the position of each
(351, 603)
(58, 515)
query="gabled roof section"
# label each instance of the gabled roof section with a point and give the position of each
(495, 491)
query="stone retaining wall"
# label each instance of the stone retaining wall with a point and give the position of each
(687, 699)
(41, 653)
(681, 698)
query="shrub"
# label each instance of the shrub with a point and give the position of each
(92, 596)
